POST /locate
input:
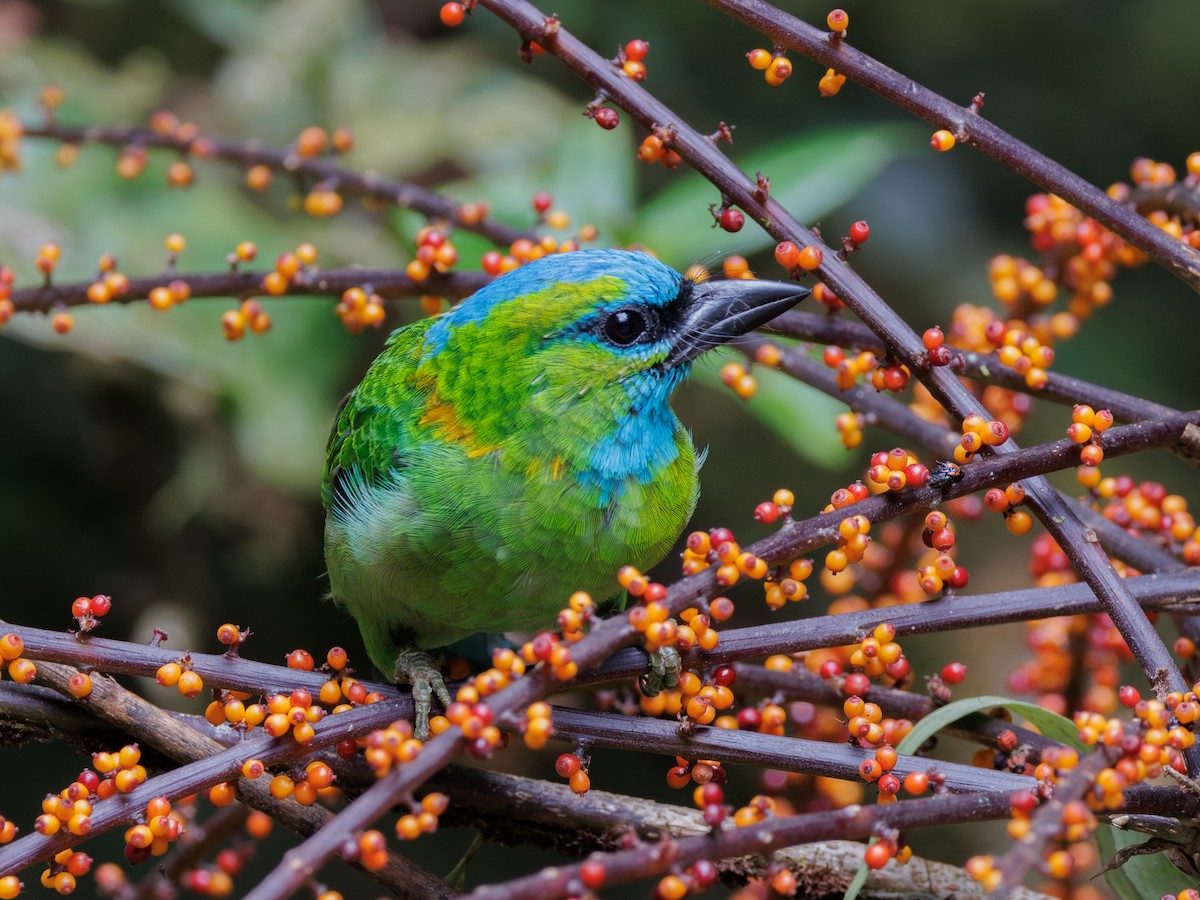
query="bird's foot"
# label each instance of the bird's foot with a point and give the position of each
(418, 669)
(665, 668)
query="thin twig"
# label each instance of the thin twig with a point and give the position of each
(970, 128)
(316, 168)
(312, 282)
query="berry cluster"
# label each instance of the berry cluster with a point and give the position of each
(20, 669)
(849, 368)
(943, 572)
(977, 433)
(776, 67)
(290, 268)
(853, 540)
(181, 676)
(575, 769)
(700, 771)
(360, 308)
(160, 826)
(878, 654)
(391, 746)
(738, 379)
(537, 726)
(249, 314)
(1087, 425)
(11, 131)
(122, 772)
(850, 427)
(317, 780)
(896, 469)
(782, 589)
(475, 718)
(702, 699)
(435, 253)
(796, 259)
(1005, 502)
(423, 817)
(60, 876)
(548, 648)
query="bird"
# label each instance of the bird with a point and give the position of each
(519, 447)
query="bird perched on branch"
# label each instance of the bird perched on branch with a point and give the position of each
(518, 448)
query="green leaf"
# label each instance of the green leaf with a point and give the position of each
(1050, 724)
(811, 175)
(798, 414)
(1143, 877)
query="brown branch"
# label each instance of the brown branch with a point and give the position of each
(1161, 590)
(787, 754)
(968, 128)
(647, 860)
(981, 367)
(311, 282)
(315, 168)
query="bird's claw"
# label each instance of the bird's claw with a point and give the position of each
(665, 668)
(418, 669)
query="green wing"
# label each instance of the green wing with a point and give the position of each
(376, 425)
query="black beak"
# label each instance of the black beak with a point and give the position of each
(714, 312)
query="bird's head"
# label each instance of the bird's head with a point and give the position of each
(575, 347)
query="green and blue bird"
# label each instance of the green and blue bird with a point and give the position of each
(518, 448)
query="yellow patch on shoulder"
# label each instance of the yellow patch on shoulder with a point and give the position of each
(442, 418)
(557, 468)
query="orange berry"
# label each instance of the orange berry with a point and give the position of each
(759, 58)
(810, 258)
(942, 141)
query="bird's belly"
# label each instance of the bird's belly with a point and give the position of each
(494, 560)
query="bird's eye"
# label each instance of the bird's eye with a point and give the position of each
(625, 326)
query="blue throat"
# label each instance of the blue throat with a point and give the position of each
(642, 443)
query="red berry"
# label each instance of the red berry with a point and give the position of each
(452, 14)
(766, 512)
(954, 673)
(567, 765)
(856, 683)
(830, 668)
(542, 201)
(749, 718)
(958, 578)
(787, 255)
(940, 356)
(1023, 802)
(101, 604)
(719, 536)
(636, 50)
(607, 118)
(725, 676)
(704, 873)
(895, 378)
(932, 338)
(859, 232)
(591, 873)
(731, 220)
(81, 607)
